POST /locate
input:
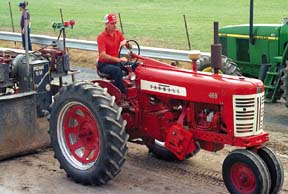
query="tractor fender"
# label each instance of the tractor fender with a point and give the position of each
(111, 89)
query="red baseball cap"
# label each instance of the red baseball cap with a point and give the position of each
(110, 18)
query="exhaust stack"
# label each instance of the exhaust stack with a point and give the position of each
(251, 18)
(216, 51)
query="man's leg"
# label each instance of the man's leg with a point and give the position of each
(29, 41)
(116, 73)
(23, 40)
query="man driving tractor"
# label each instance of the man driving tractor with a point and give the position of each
(109, 42)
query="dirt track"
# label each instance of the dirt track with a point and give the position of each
(39, 173)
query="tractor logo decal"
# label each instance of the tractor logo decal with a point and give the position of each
(213, 95)
(38, 70)
(163, 88)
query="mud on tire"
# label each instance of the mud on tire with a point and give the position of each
(88, 133)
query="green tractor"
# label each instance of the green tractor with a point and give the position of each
(260, 51)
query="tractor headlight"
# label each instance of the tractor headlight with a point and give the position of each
(132, 76)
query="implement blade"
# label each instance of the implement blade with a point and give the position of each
(21, 131)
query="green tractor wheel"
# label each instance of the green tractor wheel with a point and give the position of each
(229, 67)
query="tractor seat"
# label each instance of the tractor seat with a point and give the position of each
(104, 75)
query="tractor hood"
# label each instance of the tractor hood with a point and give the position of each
(261, 31)
(165, 80)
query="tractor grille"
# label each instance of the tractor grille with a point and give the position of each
(248, 114)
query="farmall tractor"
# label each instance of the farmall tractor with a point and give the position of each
(174, 112)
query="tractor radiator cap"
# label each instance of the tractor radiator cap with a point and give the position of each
(194, 54)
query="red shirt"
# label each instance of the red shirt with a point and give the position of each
(109, 44)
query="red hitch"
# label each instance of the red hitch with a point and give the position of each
(180, 141)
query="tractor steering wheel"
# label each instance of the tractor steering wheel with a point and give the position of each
(125, 52)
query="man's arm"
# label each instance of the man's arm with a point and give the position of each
(107, 57)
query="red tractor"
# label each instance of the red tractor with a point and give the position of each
(173, 111)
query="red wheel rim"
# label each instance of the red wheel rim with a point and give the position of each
(81, 134)
(243, 178)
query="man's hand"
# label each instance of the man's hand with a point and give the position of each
(123, 59)
(111, 58)
(126, 44)
(123, 42)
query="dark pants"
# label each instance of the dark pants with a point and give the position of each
(115, 71)
(29, 41)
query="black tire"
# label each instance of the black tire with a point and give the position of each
(229, 67)
(275, 168)
(284, 86)
(159, 150)
(88, 133)
(245, 172)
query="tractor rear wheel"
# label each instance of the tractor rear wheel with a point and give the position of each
(158, 149)
(275, 168)
(88, 133)
(229, 67)
(245, 172)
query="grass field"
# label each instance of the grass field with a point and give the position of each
(157, 23)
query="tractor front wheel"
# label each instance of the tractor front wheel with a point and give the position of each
(245, 172)
(275, 168)
(87, 133)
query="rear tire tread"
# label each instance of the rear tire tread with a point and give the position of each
(114, 138)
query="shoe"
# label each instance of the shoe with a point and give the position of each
(124, 103)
